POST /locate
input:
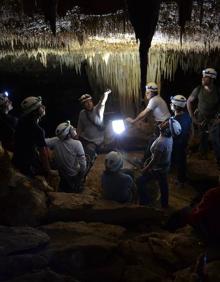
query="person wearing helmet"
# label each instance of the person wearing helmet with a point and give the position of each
(116, 185)
(7, 122)
(206, 115)
(158, 108)
(90, 127)
(69, 157)
(157, 167)
(156, 105)
(30, 150)
(180, 142)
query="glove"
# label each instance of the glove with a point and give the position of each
(108, 91)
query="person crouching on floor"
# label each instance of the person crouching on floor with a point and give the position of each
(69, 158)
(116, 185)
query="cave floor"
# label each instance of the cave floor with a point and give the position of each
(202, 175)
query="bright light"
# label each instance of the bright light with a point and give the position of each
(118, 126)
(6, 94)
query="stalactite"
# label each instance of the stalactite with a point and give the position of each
(111, 66)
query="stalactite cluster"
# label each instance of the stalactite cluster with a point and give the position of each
(108, 46)
(109, 65)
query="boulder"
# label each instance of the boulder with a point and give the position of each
(72, 230)
(43, 276)
(20, 249)
(23, 204)
(82, 207)
(88, 251)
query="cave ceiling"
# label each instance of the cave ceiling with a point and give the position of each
(69, 26)
(57, 23)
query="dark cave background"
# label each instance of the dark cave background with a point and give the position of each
(60, 91)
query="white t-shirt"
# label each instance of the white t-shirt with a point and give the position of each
(159, 108)
(69, 155)
(87, 129)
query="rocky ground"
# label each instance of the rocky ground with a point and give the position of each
(51, 236)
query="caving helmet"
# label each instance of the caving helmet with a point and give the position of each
(113, 161)
(65, 128)
(151, 87)
(84, 98)
(209, 72)
(179, 101)
(31, 104)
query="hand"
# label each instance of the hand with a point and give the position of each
(130, 120)
(108, 91)
(145, 169)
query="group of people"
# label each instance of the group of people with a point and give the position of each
(156, 165)
(169, 143)
(170, 147)
(75, 150)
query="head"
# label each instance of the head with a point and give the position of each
(208, 77)
(5, 103)
(178, 103)
(151, 90)
(65, 130)
(87, 102)
(33, 105)
(170, 127)
(113, 161)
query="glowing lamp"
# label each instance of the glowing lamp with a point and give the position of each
(118, 126)
(6, 94)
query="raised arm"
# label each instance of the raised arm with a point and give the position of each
(105, 97)
(102, 101)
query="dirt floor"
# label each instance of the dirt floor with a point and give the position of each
(202, 175)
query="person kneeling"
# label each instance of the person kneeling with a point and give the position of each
(116, 185)
(69, 158)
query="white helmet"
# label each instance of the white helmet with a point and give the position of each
(175, 127)
(152, 86)
(113, 161)
(209, 72)
(170, 127)
(179, 101)
(3, 98)
(84, 98)
(30, 104)
(63, 129)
